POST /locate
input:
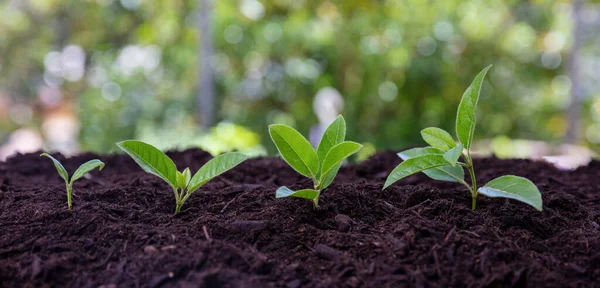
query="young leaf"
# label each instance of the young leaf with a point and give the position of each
(295, 150)
(310, 194)
(514, 187)
(181, 181)
(188, 175)
(453, 154)
(214, 168)
(59, 167)
(86, 168)
(438, 138)
(334, 159)
(333, 135)
(465, 118)
(415, 165)
(444, 173)
(151, 160)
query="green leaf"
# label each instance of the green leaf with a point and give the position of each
(151, 160)
(295, 150)
(453, 154)
(415, 165)
(333, 135)
(181, 181)
(86, 168)
(444, 173)
(438, 138)
(466, 116)
(214, 168)
(188, 176)
(514, 187)
(327, 179)
(59, 167)
(309, 194)
(334, 159)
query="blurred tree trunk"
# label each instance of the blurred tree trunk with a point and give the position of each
(206, 90)
(574, 110)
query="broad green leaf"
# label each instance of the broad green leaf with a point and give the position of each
(151, 160)
(453, 154)
(465, 118)
(415, 165)
(514, 187)
(444, 173)
(86, 168)
(333, 135)
(295, 150)
(438, 138)
(214, 168)
(334, 159)
(59, 167)
(310, 194)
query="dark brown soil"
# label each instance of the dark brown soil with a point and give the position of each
(234, 233)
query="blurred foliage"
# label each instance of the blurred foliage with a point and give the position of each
(399, 65)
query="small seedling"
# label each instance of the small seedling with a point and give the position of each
(440, 161)
(80, 172)
(155, 162)
(322, 165)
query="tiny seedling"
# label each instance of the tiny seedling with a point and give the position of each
(321, 165)
(80, 172)
(440, 161)
(155, 162)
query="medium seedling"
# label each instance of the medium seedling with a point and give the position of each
(321, 165)
(155, 162)
(80, 172)
(440, 161)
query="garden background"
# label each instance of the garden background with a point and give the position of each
(82, 75)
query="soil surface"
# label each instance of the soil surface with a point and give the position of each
(234, 233)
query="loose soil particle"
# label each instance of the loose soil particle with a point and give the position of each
(234, 233)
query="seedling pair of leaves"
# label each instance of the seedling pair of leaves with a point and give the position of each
(441, 160)
(321, 165)
(155, 162)
(80, 172)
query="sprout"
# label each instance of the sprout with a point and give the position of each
(80, 172)
(322, 165)
(155, 162)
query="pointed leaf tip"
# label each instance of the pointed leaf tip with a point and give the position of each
(466, 115)
(86, 168)
(62, 172)
(215, 167)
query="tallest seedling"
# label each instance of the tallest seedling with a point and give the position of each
(441, 160)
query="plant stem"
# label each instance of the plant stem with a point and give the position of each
(473, 182)
(178, 202)
(69, 196)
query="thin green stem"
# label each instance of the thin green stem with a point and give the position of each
(69, 196)
(178, 202)
(474, 187)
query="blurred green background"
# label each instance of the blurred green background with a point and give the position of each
(82, 75)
